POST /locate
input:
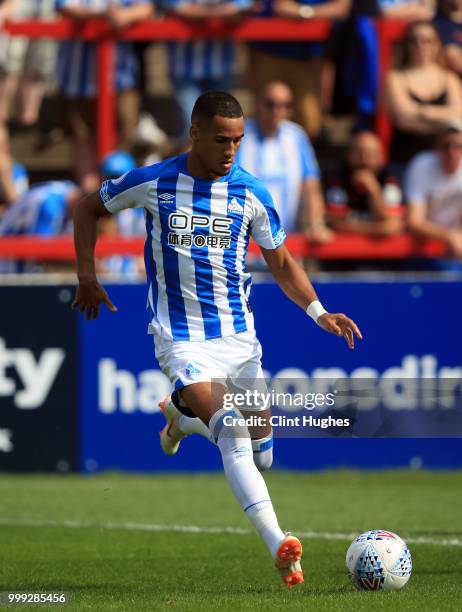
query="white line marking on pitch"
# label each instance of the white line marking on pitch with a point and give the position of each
(308, 535)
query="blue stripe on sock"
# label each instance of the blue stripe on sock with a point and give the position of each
(265, 446)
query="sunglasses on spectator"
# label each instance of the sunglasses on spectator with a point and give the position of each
(277, 104)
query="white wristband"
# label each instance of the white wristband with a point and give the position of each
(315, 310)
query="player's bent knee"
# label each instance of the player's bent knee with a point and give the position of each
(263, 453)
(233, 440)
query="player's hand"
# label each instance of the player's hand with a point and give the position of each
(340, 325)
(88, 298)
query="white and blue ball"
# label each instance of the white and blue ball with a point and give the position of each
(378, 560)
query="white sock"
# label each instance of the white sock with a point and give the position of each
(266, 523)
(188, 425)
(245, 480)
(263, 452)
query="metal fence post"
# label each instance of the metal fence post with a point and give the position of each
(106, 101)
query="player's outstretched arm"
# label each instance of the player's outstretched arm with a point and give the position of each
(89, 293)
(296, 285)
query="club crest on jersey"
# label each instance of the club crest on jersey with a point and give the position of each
(235, 207)
(191, 370)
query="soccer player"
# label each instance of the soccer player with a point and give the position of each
(201, 209)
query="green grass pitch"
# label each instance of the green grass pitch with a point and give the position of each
(106, 540)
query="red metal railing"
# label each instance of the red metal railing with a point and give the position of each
(344, 246)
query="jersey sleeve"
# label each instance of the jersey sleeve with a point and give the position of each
(265, 228)
(128, 191)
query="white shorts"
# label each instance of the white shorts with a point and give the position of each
(235, 361)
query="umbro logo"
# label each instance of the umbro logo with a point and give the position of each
(166, 197)
(234, 206)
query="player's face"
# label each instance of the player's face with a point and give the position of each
(216, 144)
(450, 151)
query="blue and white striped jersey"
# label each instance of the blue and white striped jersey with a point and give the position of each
(77, 63)
(197, 237)
(42, 210)
(282, 162)
(202, 59)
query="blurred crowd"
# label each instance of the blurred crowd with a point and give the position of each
(298, 95)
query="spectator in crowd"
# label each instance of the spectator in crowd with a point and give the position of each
(44, 210)
(13, 176)
(198, 65)
(420, 96)
(278, 152)
(413, 10)
(350, 70)
(78, 86)
(26, 65)
(14, 182)
(433, 190)
(365, 197)
(448, 22)
(298, 62)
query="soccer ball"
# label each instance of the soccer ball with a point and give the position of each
(379, 560)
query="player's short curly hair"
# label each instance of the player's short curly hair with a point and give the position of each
(212, 103)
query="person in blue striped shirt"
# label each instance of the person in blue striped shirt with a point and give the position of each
(279, 153)
(43, 210)
(77, 79)
(201, 210)
(198, 65)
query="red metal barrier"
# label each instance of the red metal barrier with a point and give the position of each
(257, 29)
(344, 246)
